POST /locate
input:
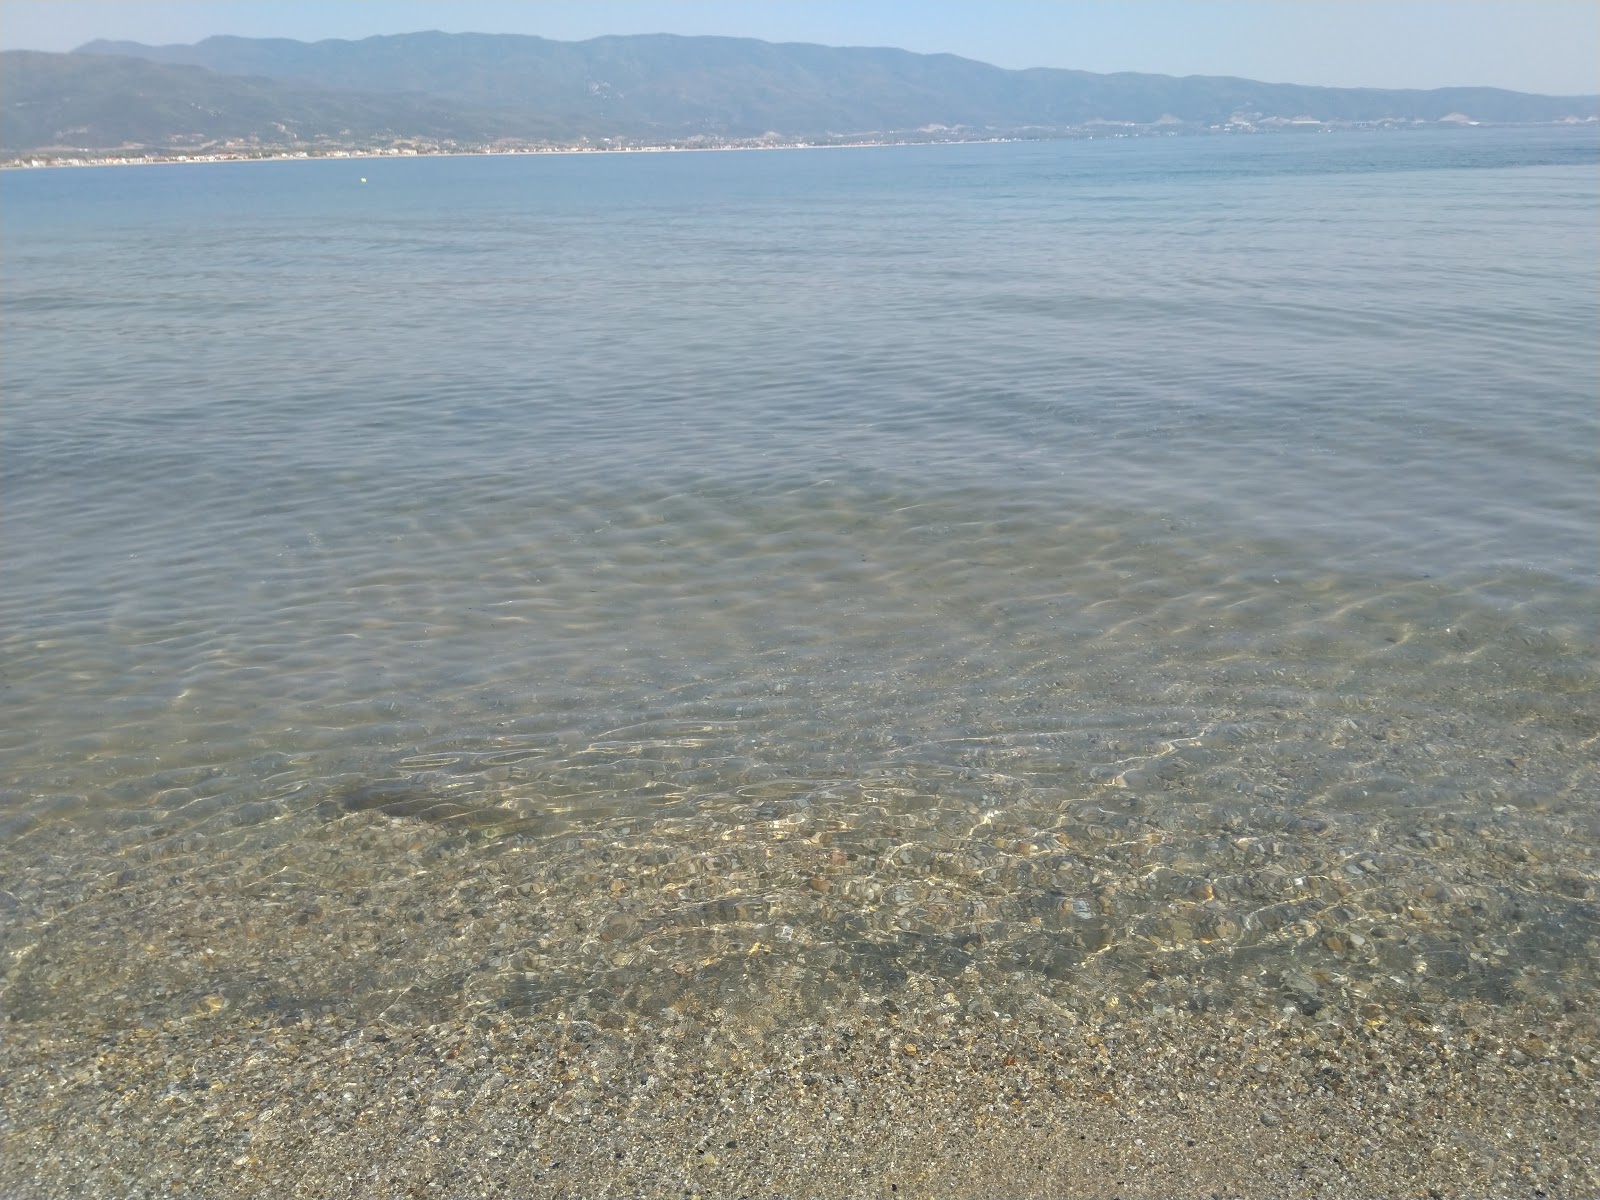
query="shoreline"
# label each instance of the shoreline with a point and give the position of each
(369, 155)
(860, 1105)
(34, 161)
(436, 1021)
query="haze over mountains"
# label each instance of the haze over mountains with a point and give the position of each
(476, 89)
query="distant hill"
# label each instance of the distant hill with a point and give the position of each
(477, 87)
(96, 102)
(743, 87)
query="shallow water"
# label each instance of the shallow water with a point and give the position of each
(999, 575)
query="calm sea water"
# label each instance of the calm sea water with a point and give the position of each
(1161, 569)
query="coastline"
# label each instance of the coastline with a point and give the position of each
(410, 148)
(199, 1028)
(368, 155)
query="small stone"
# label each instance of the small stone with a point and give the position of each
(1271, 1118)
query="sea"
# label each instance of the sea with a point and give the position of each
(1147, 572)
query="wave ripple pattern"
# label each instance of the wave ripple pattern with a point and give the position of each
(973, 579)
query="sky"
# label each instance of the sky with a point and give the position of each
(1550, 46)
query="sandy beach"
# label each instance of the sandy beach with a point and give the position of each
(865, 1106)
(197, 1030)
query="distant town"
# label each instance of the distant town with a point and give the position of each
(258, 151)
(431, 93)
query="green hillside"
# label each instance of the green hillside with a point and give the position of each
(478, 88)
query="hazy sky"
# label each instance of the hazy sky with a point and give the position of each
(1548, 46)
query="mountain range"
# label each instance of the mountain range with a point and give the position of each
(483, 88)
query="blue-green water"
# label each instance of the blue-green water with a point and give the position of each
(1158, 567)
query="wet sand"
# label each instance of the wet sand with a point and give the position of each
(864, 1105)
(352, 1001)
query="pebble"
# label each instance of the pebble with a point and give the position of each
(237, 1107)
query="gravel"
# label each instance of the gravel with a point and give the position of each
(865, 1104)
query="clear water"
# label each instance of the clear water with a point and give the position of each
(1003, 574)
